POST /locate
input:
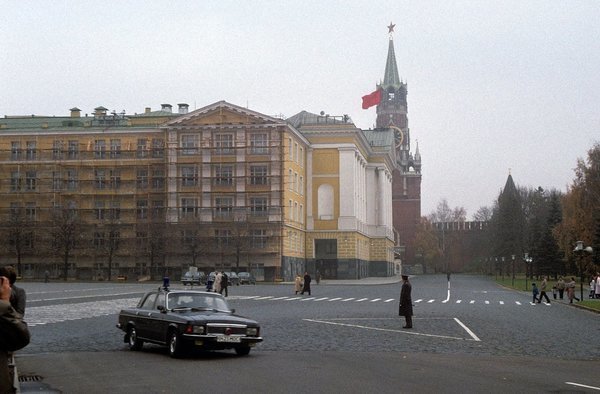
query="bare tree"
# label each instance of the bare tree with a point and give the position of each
(65, 231)
(20, 235)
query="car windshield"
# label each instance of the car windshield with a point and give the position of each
(197, 301)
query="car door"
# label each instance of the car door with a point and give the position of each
(143, 316)
(158, 323)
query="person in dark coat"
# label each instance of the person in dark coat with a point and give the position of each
(406, 308)
(18, 296)
(307, 280)
(224, 284)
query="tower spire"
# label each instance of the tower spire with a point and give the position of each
(391, 78)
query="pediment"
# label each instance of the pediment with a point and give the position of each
(222, 113)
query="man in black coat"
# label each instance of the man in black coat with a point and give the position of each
(307, 280)
(406, 308)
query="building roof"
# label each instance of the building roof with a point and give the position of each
(391, 77)
(304, 118)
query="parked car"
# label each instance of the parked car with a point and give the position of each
(187, 319)
(246, 278)
(232, 279)
(193, 278)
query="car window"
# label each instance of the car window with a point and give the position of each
(148, 303)
(160, 301)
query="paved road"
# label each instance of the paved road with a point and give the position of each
(470, 319)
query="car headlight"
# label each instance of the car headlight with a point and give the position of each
(198, 330)
(252, 331)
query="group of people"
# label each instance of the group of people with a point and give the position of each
(220, 283)
(563, 287)
(14, 334)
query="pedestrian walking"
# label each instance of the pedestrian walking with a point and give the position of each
(17, 294)
(592, 287)
(597, 292)
(560, 286)
(406, 309)
(46, 276)
(543, 286)
(217, 284)
(570, 286)
(534, 292)
(298, 283)
(306, 287)
(224, 284)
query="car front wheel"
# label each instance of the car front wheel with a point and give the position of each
(134, 342)
(175, 347)
(242, 350)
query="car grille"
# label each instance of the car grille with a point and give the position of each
(223, 328)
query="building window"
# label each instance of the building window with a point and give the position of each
(100, 210)
(158, 178)
(158, 209)
(115, 148)
(30, 212)
(15, 181)
(291, 180)
(30, 180)
(223, 174)
(56, 181)
(189, 207)
(258, 175)
(141, 181)
(188, 144)
(57, 150)
(98, 239)
(158, 147)
(258, 206)
(259, 143)
(296, 152)
(259, 238)
(31, 152)
(301, 218)
(142, 147)
(301, 185)
(223, 238)
(291, 209)
(223, 207)
(115, 179)
(73, 149)
(141, 238)
(296, 185)
(72, 180)
(223, 144)
(100, 149)
(290, 148)
(189, 176)
(142, 209)
(15, 150)
(115, 210)
(100, 179)
(301, 157)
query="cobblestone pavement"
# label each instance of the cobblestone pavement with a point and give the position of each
(472, 315)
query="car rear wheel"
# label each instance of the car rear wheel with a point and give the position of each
(175, 347)
(242, 350)
(134, 342)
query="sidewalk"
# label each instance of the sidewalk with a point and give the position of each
(362, 282)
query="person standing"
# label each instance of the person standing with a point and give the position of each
(406, 309)
(560, 286)
(224, 284)
(17, 294)
(298, 284)
(597, 291)
(534, 292)
(307, 280)
(543, 286)
(14, 335)
(217, 284)
(570, 286)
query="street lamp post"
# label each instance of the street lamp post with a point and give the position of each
(527, 259)
(579, 250)
(513, 270)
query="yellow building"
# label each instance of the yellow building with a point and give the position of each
(223, 187)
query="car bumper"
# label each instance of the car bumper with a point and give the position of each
(221, 341)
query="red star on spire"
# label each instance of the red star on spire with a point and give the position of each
(391, 28)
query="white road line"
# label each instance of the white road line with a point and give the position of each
(445, 301)
(376, 299)
(264, 298)
(471, 333)
(308, 299)
(361, 300)
(501, 302)
(448, 297)
(385, 329)
(419, 300)
(321, 299)
(294, 298)
(335, 299)
(348, 299)
(472, 302)
(583, 385)
(487, 302)
(517, 302)
(390, 300)
(458, 301)
(430, 301)
(279, 298)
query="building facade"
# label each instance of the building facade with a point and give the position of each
(223, 187)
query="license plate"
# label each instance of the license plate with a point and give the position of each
(228, 338)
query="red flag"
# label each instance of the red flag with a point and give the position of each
(371, 99)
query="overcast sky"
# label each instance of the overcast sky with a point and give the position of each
(492, 85)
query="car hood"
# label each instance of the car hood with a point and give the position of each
(216, 317)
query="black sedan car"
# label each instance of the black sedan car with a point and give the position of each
(187, 319)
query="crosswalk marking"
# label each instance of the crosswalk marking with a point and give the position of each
(390, 300)
(348, 299)
(487, 302)
(321, 299)
(308, 299)
(376, 299)
(335, 299)
(501, 302)
(430, 301)
(458, 301)
(361, 300)
(472, 302)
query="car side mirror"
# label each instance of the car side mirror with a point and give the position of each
(161, 308)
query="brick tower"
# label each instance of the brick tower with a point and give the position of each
(392, 112)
